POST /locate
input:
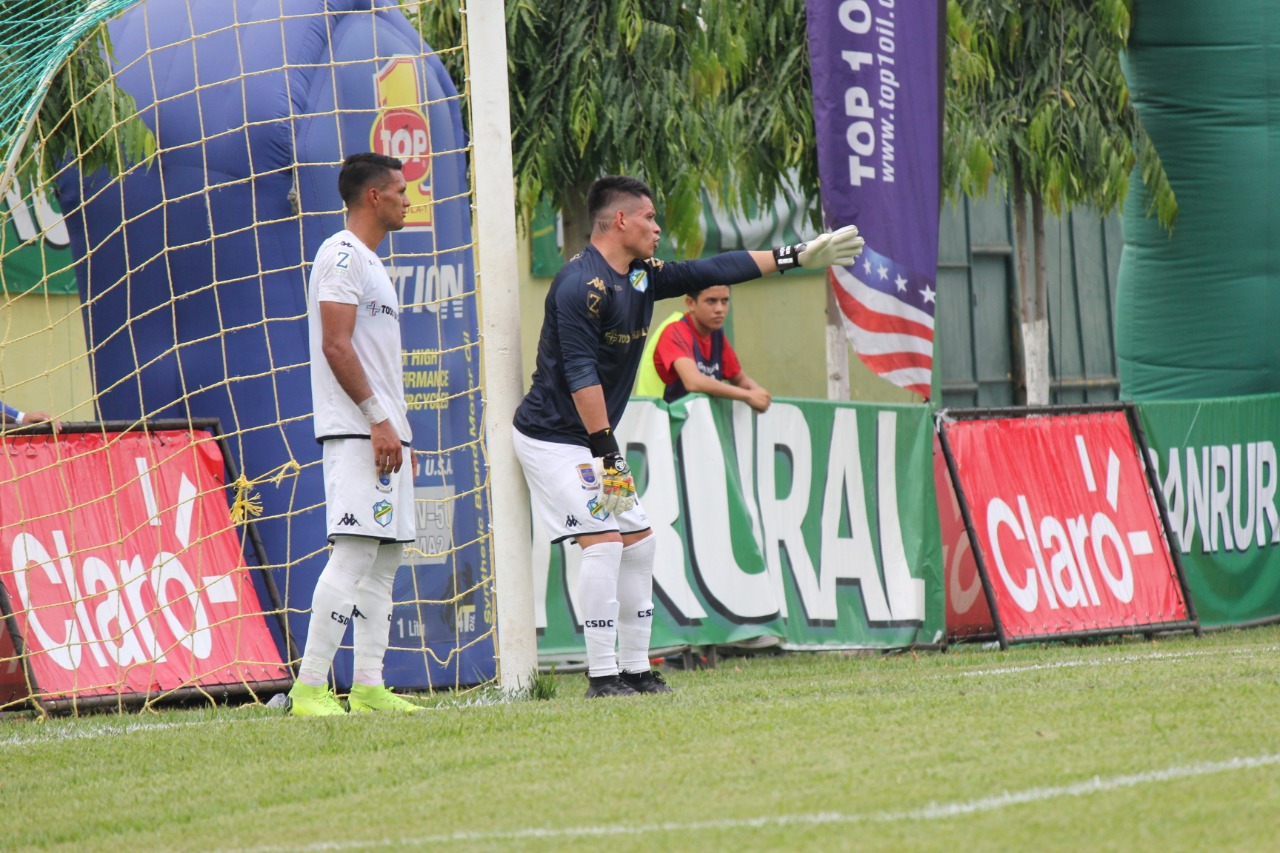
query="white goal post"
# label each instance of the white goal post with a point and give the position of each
(498, 287)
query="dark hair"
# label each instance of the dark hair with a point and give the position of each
(607, 191)
(703, 288)
(361, 170)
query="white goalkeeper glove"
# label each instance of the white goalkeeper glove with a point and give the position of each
(837, 248)
(617, 489)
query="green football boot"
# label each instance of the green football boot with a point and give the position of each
(366, 697)
(308, 701)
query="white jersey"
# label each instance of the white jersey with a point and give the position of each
(346, 271)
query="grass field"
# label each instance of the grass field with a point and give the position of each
(1125, 745)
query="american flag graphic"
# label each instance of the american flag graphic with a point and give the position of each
(877, 72)
(888, 317)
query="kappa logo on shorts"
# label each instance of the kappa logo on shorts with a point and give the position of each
(571, 521)
(597, 512)
(348, 520)
(587, 476)
(384, 483)
(383, 512)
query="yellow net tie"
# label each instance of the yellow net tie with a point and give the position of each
(246, 504)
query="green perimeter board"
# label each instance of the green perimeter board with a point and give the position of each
(1217, 465)
(841, 501)
(33, 256)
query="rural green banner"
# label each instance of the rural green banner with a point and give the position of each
(1216, 462)
(815, 523)
(34, 246)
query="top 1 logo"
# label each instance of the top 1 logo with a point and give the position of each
(402, 131)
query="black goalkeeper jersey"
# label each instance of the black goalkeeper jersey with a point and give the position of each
(594, 329)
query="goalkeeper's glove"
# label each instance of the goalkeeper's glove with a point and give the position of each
(617, 489)
(837, 248)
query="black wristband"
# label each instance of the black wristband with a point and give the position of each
(788, 257)
(603, 443)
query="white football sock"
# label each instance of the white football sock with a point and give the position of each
(635, 605)
(373, 624)
(598, 598)
(331, 605)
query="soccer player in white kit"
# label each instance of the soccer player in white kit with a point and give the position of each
(361, 419)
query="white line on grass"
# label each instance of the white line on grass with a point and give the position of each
(59, 734)
(55, 735)
(1135, 658)
(932, 811)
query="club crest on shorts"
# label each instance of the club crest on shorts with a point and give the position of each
(587, 476)
(383, 512)
(598, 512)
(640, 280)
(384, 483)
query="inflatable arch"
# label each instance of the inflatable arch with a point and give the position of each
(195, 306)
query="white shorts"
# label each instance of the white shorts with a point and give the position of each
(359, 502)
(565, 493)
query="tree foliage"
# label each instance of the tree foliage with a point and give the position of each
(717, 94)
(1036, 98)
(1036, 89)
(769, 120)
(686, 94)
(84, 116)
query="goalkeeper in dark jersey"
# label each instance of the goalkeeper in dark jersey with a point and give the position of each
(597, 316)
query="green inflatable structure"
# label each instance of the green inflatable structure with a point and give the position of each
(1198, 311)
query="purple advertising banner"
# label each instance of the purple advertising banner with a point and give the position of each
(877, 98)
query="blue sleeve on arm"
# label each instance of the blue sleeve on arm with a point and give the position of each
(577, 309)
(679, 278)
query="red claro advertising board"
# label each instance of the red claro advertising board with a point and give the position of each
(123, 570)
(968, 615)
(1066, 524)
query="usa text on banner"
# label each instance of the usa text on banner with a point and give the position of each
(123, 570)
(1067, 532)
(877, 87)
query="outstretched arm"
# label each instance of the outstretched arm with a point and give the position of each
(837, 248)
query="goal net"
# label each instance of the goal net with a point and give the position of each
(163, 302)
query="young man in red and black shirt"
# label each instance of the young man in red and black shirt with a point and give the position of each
(694, 355)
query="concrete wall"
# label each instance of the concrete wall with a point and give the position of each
(43, 363)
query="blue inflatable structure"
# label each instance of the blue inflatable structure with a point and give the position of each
(195, 291)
